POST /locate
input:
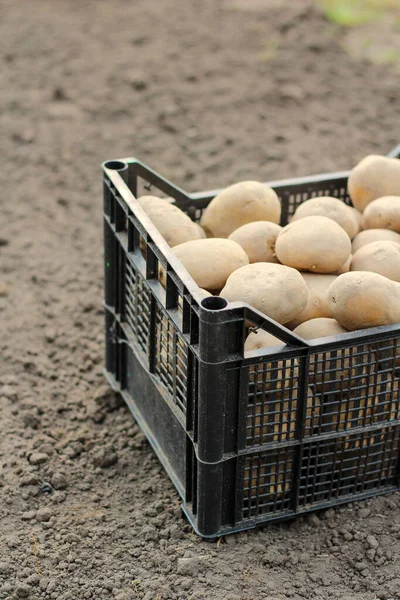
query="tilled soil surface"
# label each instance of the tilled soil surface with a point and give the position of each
(207, 93)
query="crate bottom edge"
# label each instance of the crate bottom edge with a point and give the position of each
(286, 516)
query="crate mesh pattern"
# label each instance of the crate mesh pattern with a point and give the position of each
(267, 482)
(306, 192)
(272, 407)
(137, 307)
(348, 465)
(349, 389)
(171, 359)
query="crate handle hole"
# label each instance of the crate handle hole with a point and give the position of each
(115, 165)
(214, 303)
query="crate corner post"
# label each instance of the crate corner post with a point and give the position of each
(219, 336)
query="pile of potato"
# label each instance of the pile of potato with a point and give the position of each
(332, 269)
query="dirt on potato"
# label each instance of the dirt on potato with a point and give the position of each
(207, 93)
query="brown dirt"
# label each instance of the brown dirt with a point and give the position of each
(207, 93)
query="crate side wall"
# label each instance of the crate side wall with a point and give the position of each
(155, 417)
(283, 452)
(347, 444)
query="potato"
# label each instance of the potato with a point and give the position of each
(211, 261)
(359, 410)
(373, 235)
(383, 213)
(316, 307)
(387, 390)
(274, 387)
(270, 480)
(359, 217)
(388, 354)
(169, 358)
(147, 200)
(276, 415)
(239, 204)
(360, 299)
(332, 208)
(261, 339)
(173, 224)
(278, 291)
(346, 267)
(207, 294)
(269, 378)
(318, 328)
(201, 232)
(273, 416)
(258, 240)
(375, 176)
(378, 257)
(340, 370)
(273, 375)
(315, 244)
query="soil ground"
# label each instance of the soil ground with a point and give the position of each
(207, 93)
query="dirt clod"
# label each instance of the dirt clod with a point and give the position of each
(72, 538)
(31, 420)
(193, 565)
(22, 590)
(44, 514)
(104, 457)
(5, 568)
(59, 481)
(329, 514)
(29, 515)
(314, 520)
(38, 458)
(372, 542)
(9, 392)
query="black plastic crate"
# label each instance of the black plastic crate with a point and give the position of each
(245, 439)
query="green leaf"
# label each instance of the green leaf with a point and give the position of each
(350, 13)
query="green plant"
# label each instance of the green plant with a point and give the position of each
(390, 56)
(351, 13)
(270, 50)
(367, 43)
